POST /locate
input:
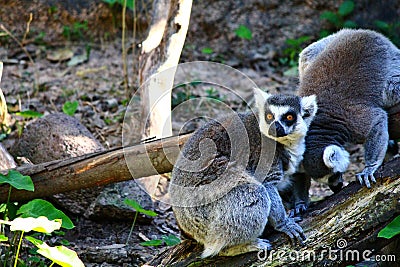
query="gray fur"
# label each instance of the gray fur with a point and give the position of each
(355, 75)
(225, 200)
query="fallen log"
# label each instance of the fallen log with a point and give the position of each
(99, 168)
(340, 230)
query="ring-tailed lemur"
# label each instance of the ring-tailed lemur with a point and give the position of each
(224, 184)
(355, 75)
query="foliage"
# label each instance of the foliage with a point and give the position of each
(170, 240)
(391, 230)
(244, 32)
(29, 114)
(70, 108)
(129, 3)
(38, 216)
(139, 209)
(391, 30)
(207, 50)
(291, 54)
(338, 19)
(75, 31)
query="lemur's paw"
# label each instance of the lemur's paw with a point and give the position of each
(293, 230)
(298, 210)
(366, 175)
(263, 244)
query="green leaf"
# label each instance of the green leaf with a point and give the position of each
(349, 24)
(40, 224)
(207, 50)
(39, 207)
(392, 229)
(331, 17)
(70, 108)
(244, 32)
(346, 8)
(132, 203)
(152, 243)
(17, 180)
(171, 240)
(29, 114)
(3, 238)
(130, 4)
(381, 24)
(61, 255)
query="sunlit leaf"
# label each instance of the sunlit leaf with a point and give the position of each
(152, 243)
(392, 229)
(61, 255)
(29, 114)
(17, 180)
(244, 32)
(132, 203)
(171, 240)
(207, 50)
(70, 108)
(3, 238)
(40, 224)
(40, 207)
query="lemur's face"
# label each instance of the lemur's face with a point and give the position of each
(284, 118)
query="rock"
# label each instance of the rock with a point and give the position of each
(110, 203)
(59, 136)
(55, 136)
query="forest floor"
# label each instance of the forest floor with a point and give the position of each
(97, 83)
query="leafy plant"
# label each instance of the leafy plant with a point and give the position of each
(129, 3)
(291, 54)
(391, 230)
(338, 19)
(244, 32)
(391, 30)
(170, 240)
(75, 31)
(70, 108)
(139, 209)
(37, 216)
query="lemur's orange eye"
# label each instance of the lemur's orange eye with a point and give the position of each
(289, 117)
(270, 116)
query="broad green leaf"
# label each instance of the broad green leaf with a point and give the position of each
(381, 24)
(207, 50)
(17, 180)
(132, 203)
(244, 32)
(70, 108)
(346, 8)
(331, 17)
(349, 24)
(392, 229)
(29, 114)
(61, 255)
(40, 224)
(152, 243)
(171, 240)
(40, 207)
(3, 238)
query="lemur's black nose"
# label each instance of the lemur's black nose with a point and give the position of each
(276, 129)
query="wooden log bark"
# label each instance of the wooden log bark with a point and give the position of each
(99, 168)
(340, 230)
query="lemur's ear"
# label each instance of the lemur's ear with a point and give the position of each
(309, 105)
(260, 96)
(336, 158)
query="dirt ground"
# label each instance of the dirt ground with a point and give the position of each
(97, 82)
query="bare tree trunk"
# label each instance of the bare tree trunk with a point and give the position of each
(160, 56)
(340, 230)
